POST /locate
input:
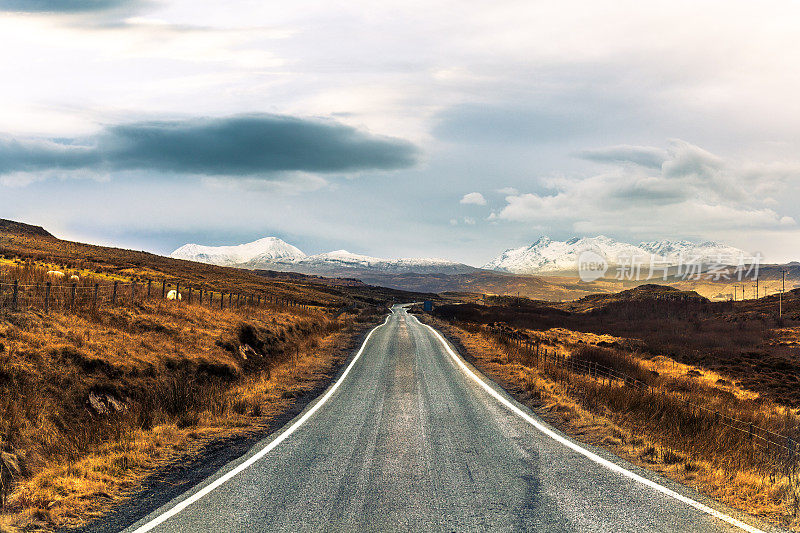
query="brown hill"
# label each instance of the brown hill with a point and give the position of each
(19, 228)
(25, 242)
(643, 293)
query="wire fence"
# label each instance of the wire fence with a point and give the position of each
(771, 451)
(59, 291)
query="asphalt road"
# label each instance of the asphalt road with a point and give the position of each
(408, 441)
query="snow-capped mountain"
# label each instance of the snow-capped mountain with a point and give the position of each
(274, 254)
(338, 260)
(266, 249)
(708, 252)
(549, 256)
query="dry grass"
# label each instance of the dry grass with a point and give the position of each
(649, 429)
(740, 341)
(91, 402)
(21, 243)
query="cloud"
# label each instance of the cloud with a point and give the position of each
(692, 192)
(508, 191)
(68, 6)
(30, 155)
(291, 183)
(257, 145)
(494, 124)
(646, 156)
(473, 198)
(467, 221)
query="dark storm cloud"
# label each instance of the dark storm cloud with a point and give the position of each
(65, 6)
(22, 155)
(245, 145)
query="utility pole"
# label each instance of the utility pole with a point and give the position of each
(756, 288)
(734, 292)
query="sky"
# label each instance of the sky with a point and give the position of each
(402, 129)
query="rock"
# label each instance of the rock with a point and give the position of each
(246, 350)
(115, 404)
(97, 405)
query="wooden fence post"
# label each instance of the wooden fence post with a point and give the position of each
(47, 297)
(114, 294)
(163, 289)
(149, 286)
(178, 292)
(72, 296)
(94, 298)
(15, 296)
(230, 300)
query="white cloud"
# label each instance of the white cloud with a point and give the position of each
(693, 192)
(534, 77)
(646, 156)
(473, 198)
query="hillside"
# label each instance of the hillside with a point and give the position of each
(655, 294)
(19, 228)
(18, 240)
(745, 340)
(98, 397)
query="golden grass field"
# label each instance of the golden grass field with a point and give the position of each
(639, 426)
(92, 404)
(95, 400)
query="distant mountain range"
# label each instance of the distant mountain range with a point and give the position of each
(546, 256)
(543, 257)
(271, 253)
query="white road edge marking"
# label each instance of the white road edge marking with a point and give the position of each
(590, 455)
(255, 458)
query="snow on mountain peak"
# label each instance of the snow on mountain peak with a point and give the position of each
(275, 254)
(546, 255)
(705, 252)
(268, 248)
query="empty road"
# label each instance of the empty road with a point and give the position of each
(408, 439)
